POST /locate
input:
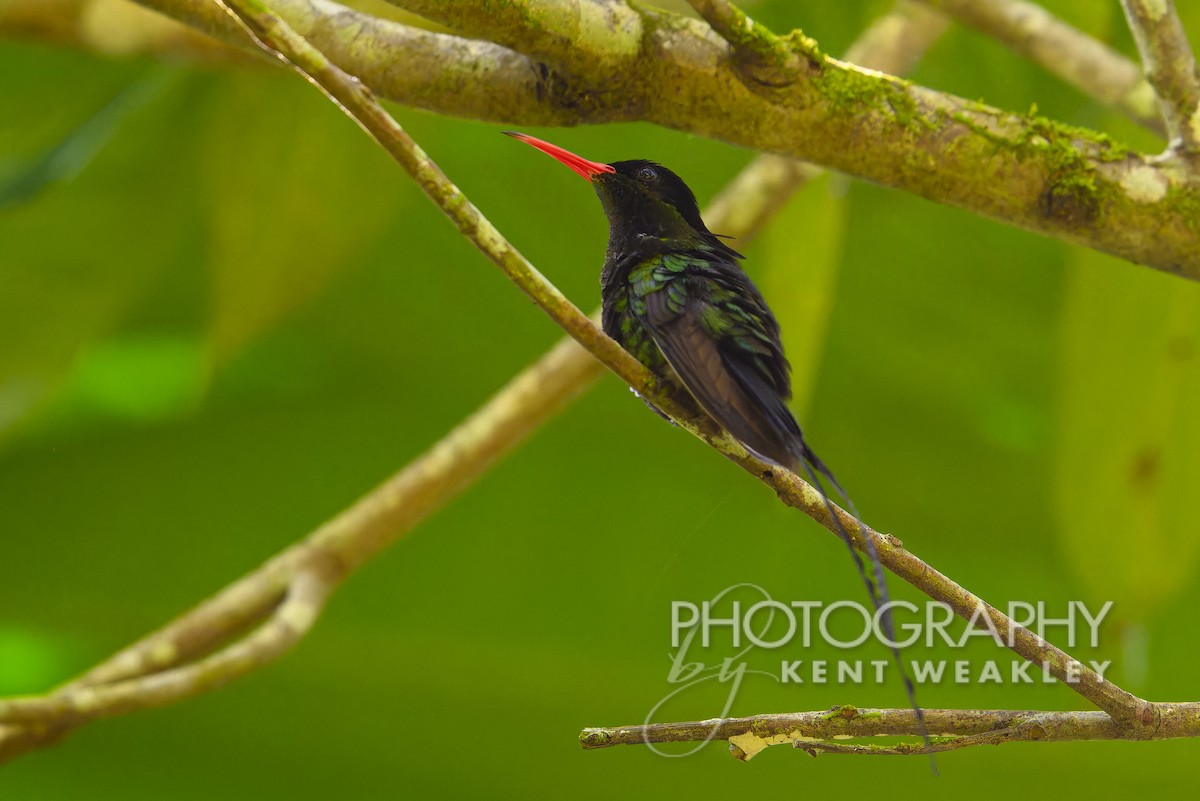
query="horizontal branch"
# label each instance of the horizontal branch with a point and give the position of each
(951, 729)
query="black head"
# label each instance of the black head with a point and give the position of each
(648, 206)
(647, 200)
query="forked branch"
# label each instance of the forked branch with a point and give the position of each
(1078, 59)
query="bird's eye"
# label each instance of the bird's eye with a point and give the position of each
(648, 174)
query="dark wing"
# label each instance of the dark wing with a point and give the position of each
(715, 330)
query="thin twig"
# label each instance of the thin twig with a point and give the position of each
(1063, 50)
(951, 729)
(1171, 68)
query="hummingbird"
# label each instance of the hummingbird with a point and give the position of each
(673, 294)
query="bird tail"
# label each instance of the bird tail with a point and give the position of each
(873, 580)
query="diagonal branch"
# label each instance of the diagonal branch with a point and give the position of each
(1067, 52)
(1129, 711)
(359, 103)
(383, 516)
(1171, 68)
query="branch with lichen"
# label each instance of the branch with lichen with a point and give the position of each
(1171, 68)
(585, 61)
(1065, 51)
(503, 75)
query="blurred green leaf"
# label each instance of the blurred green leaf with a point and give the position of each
(64, 161)
(142, 378)
(76, 261)
(1128, 391)
(294, 201)
(29, 661)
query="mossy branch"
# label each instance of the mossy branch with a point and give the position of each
(589, 43)
(587, 61)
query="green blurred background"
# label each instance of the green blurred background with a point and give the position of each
(225, 314)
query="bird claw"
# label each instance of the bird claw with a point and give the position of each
(653, 408)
